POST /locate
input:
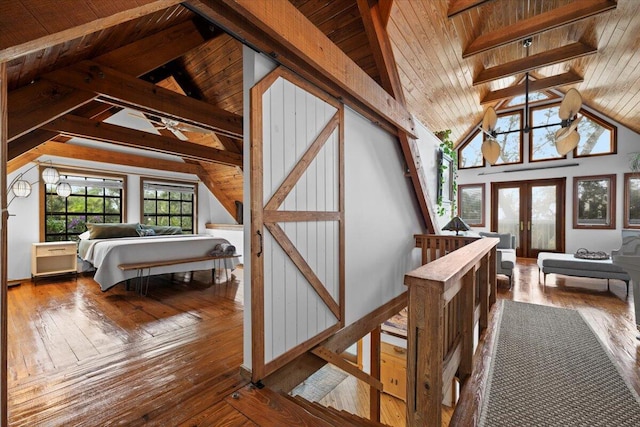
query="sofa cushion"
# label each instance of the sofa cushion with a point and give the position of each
(508, 258)
(505, 239)
(568, 261)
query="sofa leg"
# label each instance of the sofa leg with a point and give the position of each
(608, 289)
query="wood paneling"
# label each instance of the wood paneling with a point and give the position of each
(45, 24)
(438, 81)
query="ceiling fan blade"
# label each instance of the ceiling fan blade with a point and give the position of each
(489, 120)
(570, 105)
(490, 150)
(194, 129)
(566, 131)
(179, 134)
(568, 143)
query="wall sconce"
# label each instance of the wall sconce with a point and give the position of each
(21, 188)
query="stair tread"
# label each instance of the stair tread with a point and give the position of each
(266, 407)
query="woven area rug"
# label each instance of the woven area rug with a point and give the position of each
(548, 368)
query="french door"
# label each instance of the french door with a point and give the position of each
(534, 211)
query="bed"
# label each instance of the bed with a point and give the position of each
(105, 255)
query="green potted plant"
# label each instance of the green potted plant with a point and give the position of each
(448, 152)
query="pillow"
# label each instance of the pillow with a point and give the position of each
(84, 236)
(162, 229)
(111, 231)
(505, 239)
(143, 232)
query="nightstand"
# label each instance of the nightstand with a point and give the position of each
(52, 258)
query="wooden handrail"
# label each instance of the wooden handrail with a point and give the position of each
(462, 284)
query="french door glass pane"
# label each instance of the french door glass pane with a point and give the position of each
(634, 201)
(543, 217)
(509, 212)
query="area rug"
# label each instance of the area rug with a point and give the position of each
(321, 383)
(548, 368)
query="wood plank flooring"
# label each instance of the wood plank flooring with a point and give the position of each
(81, 357)
(78, 356)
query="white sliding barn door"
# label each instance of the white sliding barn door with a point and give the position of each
(297, 219)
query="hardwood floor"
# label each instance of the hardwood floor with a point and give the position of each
(77, 356)
(609, 313)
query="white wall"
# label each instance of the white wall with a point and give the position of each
(604, 240)
(381, 213)
(24, 227)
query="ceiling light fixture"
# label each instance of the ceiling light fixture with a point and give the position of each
(566, 138)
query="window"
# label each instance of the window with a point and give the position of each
(169, 203)
(533, 97)
(470, 155)
(632, 200)
(510, 143)
(596, 137)
(594, 202)
(471, 204)
(93, 199)
(543, 140)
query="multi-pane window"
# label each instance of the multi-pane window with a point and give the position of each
(169, 203)
(594, 202)
(596, 136)
(533, 97)
(632, 200)
(510, 143)
(543, 140)
(471, 204)
(93, 199)
(470, 155)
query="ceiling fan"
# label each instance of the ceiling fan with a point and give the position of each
(172, 125)
(566, 138)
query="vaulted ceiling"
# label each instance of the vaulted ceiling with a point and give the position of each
(453, 57)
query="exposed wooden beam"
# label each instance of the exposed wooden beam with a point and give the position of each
(385, 61)
(15, 41)
(122, 89)
(92, 154)
(31, 106)
(21, 145)
(554, 18)
(20, 161)
(100, 131)
(529, 63)
(459, 6)
(281, 30)
(385, 7)
(567, 78)
(214, 188)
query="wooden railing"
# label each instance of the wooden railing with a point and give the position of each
(448, 296)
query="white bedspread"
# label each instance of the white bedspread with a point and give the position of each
(107, 254)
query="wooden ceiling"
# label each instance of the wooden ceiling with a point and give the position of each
(438, 81)
(447, 67)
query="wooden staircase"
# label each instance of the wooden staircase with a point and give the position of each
(266, 407)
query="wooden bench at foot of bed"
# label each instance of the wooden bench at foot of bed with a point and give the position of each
(141, 267)
(567, 264)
